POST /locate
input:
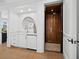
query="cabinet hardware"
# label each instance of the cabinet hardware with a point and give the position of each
(76, 42)
(70, 41)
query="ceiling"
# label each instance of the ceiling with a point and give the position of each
(4, 2)
(13, 3)
(9, 1)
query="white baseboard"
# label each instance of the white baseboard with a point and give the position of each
(40, 51)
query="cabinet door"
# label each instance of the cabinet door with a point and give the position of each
(22, 41)
(14, 40)
(31, 42)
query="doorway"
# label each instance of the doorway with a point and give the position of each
(3, 30)
(4, 33)
(54, 27)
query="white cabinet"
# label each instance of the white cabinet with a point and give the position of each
(14, 40)
(24, 40)
(31, 41)
(18, 40)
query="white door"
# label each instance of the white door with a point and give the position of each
(70, 29)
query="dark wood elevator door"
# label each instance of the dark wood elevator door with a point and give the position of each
(53, 28)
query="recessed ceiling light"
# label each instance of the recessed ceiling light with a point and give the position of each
(52, 10)
(54, 13)
(29, 9)
(21, 10)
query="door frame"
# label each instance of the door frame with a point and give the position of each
(61, 51)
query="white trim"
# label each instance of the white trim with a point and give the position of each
(66, 34)
(40, 51)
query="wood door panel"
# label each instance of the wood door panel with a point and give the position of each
(53, 28)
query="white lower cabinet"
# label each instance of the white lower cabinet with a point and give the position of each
(14, 41)
(31, 42)
(18, 40)
(24, 41)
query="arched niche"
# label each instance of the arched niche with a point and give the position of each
(29, 25)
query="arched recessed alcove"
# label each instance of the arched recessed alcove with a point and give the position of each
(29, 25)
